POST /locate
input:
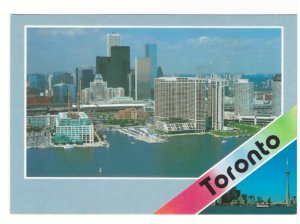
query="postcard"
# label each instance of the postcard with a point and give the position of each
(184, 114)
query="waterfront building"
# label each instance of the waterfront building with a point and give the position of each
(112, 39)
(251, 200)
(276, 95)
(115, 69)
(75, 127)
(98, 88)
(151, 52)
(131, 113)
(142, 78)
(41, 121)
(61, 91)
(243, 97)
(181, 100)
(216, 103)
(255, 120)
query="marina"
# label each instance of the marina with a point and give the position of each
(126, 156)
(142, 134)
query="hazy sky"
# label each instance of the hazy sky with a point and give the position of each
(180, 50)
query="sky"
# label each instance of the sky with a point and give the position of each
(270, 180)
(180, 50)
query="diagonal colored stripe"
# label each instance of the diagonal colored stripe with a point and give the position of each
(267, 143)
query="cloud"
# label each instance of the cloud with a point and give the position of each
(205, 40)
(67, 32)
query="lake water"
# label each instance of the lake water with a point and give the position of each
(181, 156)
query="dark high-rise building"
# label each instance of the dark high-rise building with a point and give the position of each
(159, 72)
(37, 82)
(61, 91)
(83, 77)
(116, 68)
(87, 76)
(151, 52)
(66, 78)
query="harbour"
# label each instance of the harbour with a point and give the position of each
(180, 156)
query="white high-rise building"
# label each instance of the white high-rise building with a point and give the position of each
(243, 97)
(113, 39)
(181, 98)
(98, 88)
(216, 103)
(85, 96)
(276, 95)
(142, 78)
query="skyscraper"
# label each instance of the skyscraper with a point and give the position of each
(131, 84)
(98, 88)
(216, 103)
(276, 95)
(287, 174)
(115, 69)
(61, 91)
(112, 39)
(181, 98)
(151, 52)
(243, 97)
(159, 72)
(142, 78)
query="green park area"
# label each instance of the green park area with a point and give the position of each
(239, 129)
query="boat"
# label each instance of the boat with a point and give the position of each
(223, 141)
(68, 147)
(132, 143)
(263, 205)
(100, 170)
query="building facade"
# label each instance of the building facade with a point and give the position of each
(77, 129)
(142, 78)
(86, 96)
(115, 69)
(151, 52)
(131, 84)
(112, 39)
(98, 89)
(216, 103)
(178, 98)
(61, 91)
(243, 97)
(131, 113)
(276, 95)
(41, 121)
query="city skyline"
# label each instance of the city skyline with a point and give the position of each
(261, 183)
(201, 50)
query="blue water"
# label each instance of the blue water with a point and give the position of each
(181, 156)
(249, 210)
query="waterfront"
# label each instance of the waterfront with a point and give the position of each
(240, 210)
(180, 156)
